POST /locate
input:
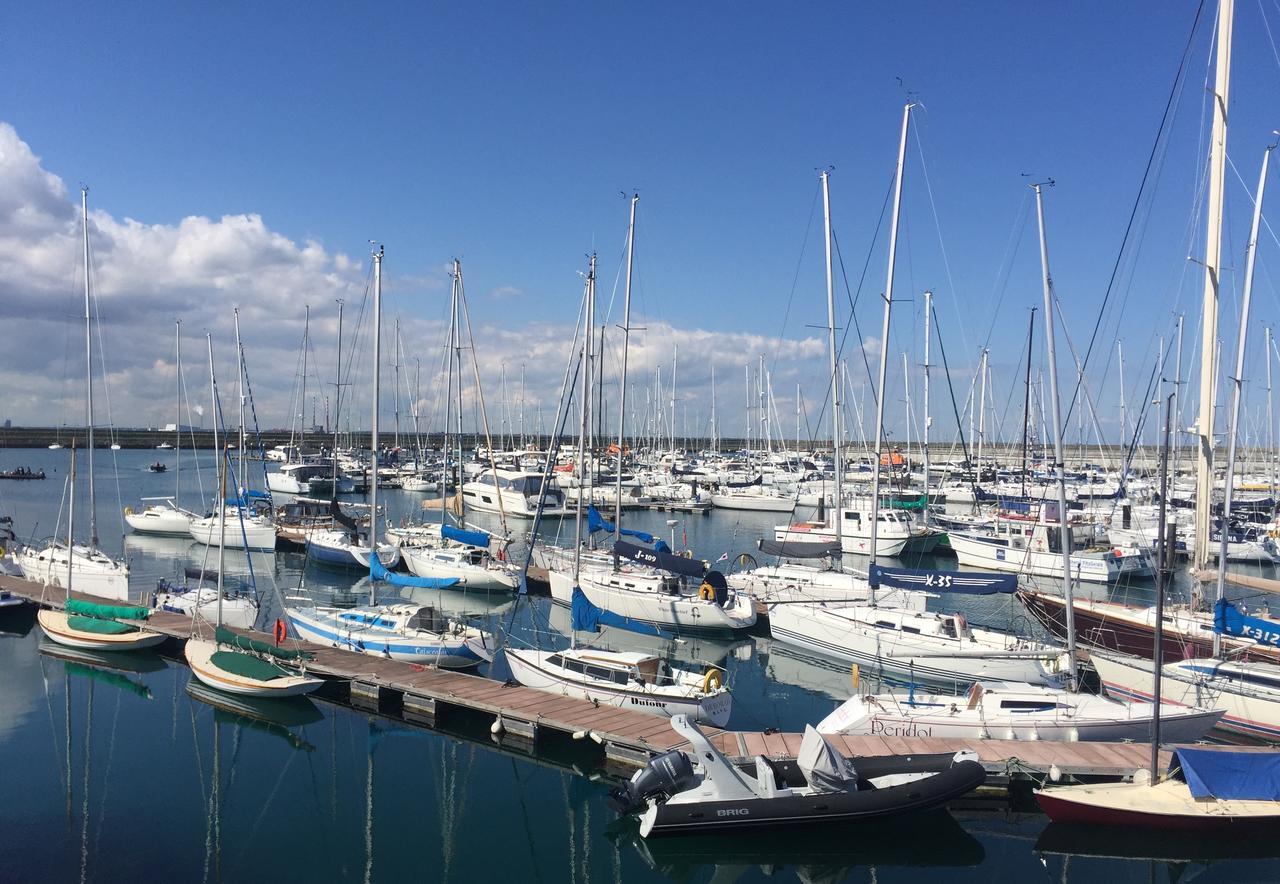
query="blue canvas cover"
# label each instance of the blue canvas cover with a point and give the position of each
(379, 572)
(586, 617)
(470, 538)
(1229, 620)
(967, 582)
(1224, 774)
(596, 522)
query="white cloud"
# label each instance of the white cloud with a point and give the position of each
(146, 274)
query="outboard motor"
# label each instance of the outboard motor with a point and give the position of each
(667, 775)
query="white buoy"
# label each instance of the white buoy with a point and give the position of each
(1054, 773)
(497, 727)
(595, 736)
(580, 735)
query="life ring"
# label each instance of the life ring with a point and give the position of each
(712, 681)
(688, 553)
(281, 632)
(707, 592)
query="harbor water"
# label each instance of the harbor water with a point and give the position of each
(119, 768)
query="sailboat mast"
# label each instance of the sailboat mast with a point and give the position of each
(836, 446)
(71, 518)
(306, 345)
(177, 409)
(221, 454)
(1177, 398)
(884, 330)
(337, 400)
(1212, 278)
(373, 421)
(1064, 527)
(1271, 472)
(457, 360)
(1026, 401)
(396, 350)
(1237, 381)
(622, 389)
(928, 314)
(584, 408)
(982, 410)
(88, 375)
(240, 480)
(1124, 408)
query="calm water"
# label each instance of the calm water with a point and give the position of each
(115, 770)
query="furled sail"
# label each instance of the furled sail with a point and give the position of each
(597, 522)
(799, 549)
(968, 582)
(1230, 620)
(379, 572)
(470, 538)
(662, 560)
(587, 617)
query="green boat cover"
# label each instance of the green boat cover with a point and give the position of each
(247, 666)
(99, 627)
(117, 612)
(914, 503)
(115, 679)
(225, 636)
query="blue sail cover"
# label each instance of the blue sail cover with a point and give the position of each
(378, 572)
(1229, 620)
(1227, 775)
(657, 558)
(967, 582)
(596, 522)
(470, 538)
(586, 617)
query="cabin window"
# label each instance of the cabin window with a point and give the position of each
(1027, 705)
(600, 672)
(574, 666)
(1055, 539)
(555, 660)
(911, 629)
(885, 624)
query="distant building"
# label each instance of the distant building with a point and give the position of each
(174, 428)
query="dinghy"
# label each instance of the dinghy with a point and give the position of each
(679, 793)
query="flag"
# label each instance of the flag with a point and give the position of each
(724, 557)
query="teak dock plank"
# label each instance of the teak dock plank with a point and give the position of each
(631, 736)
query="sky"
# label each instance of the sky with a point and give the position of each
(245, 155)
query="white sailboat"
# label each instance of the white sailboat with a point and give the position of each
(93, 570)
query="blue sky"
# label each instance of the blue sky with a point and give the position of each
(505, 133)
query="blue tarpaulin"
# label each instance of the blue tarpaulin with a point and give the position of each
(1224, 774)
(378, 572)
(1229, 620)
(967, 582)
(596, 522)
(587, 617)
(470, 538)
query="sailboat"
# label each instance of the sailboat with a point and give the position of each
(94, 571)
(403, 631)
(164, 515)
(91, 625)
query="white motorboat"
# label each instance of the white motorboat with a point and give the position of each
(241, 529)
(788, 581)
(162, 518)
(653, 597)
(919, 645)
(895, 529)
(519, 491)
(755, 498)
(996, 711)
(92, 571)
(629, 680)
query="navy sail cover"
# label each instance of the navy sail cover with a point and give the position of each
(378, 571)
(799, 549)
(662, 560)
(587, 617)
(470, 538)
(967, 582)
(596, 522)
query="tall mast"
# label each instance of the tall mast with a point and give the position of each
(1177, 400)
(306, 345)
(838, 499)
(1270, 440)
(457, 360)
(1064, 527)
(588, 323)
(906, 399)
(982, 410)
(222, 477)
(88, 376)
(240, 477)
(177, 409)
(71, 518)
(928, 314)
(337, 401)
(373, 422)
(396, 350)
(522, 441)
(884, 330)
(1124, 408)
(765, 435)
(1212, 279)
(1237, 381)
(626, 339)
(714, 446)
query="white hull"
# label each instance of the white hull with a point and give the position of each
(642, 601)
(55, 625)
(451, 562)
(286, 483)
(852, 538)
(241, 612)
(528, 668)
(760, 503)
(805, 583)
(199, 654)
(164, 520)
(987, 555)
(1251, 709)
(323, 626)
(255, 533)
(848, 633)
(1080, 717)
(92, 572)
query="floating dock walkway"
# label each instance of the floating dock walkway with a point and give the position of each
(420, 695)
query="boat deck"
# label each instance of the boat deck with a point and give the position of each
(419, 694)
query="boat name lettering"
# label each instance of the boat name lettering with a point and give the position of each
(880, 728)
(733, 811)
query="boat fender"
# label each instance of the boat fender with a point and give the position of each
(281, 632)
(706, 592)
(855, 676)
(711, 681)
(128, 511)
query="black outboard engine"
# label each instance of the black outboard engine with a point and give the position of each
(666, 775)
